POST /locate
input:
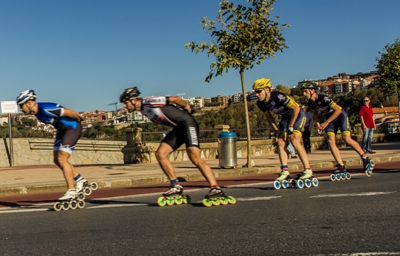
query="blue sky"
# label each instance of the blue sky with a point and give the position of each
(82, 54)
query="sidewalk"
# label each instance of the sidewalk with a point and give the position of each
(48, 178)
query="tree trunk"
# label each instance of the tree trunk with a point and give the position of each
(248, 132)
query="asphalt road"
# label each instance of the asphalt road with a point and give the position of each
(356, 217)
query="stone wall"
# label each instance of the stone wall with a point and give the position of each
(40, 151)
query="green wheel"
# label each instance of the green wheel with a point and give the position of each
(178, 200)
(215, 201)
(186, 199)
(223, 201)
(207, 202)
(231, 200)
(161, 201)
(170, 201)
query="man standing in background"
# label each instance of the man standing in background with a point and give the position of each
(367, 124)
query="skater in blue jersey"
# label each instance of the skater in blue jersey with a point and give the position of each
(69, 129)
(290, 128)
(335, 118)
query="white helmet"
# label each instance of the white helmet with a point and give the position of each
(25, 96)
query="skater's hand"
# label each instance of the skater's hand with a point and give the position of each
(290, 130)
(323, 125)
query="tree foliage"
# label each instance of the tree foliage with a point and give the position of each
(389, 68)
(247, 35)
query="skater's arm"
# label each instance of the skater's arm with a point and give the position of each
(180, 102)
(337, 110)
(72, 114)
(271, 120)
(296, 111)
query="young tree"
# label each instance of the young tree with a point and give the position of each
(389, 68)
(246, 36)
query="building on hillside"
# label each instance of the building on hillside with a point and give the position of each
(222, 100)
(383, 111)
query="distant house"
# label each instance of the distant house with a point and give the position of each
(380, 112)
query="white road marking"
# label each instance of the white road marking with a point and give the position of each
(257, 198)
(353, 194)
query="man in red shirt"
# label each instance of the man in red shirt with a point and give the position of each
(367, 124)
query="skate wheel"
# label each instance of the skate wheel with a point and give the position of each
(73, 205)
(223, 201)
(307, 183)
(186, 199)
(342, 176)
(81, 204)
(368, 173)
(93, 185)
(285, 184)
(170, 201)
(333, 177)
(161, 201)
(231, 200)
(300, 184)
(277, 184)
(215, 202)
(65, 206)
(57, 206)
(179, 200)
(87, 191)
(348, 176)
(207, 202)
(81, 196)
(293, 183)
(315, 182)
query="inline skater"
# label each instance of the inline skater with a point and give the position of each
(289, 128)
(174, 112)
(335, 118)
(69, 129)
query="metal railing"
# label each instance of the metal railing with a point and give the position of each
(212, 135)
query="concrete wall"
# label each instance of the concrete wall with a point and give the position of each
(40, 151)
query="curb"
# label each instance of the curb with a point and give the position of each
(223, 173)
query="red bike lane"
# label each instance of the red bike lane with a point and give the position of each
(24, 200)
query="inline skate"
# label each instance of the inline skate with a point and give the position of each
(340, 173)
(283, 181)
(173, 196)
(368, 166)
(306, 179)
(70, 200)
(216, 197)
(82, 185)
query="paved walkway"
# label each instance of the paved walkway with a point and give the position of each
(48, 178)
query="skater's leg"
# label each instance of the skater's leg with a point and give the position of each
(61, 160)
(296, 141)
(194, 156)
(352, 143)
(162, 154)
(333, 148)
(281, 145)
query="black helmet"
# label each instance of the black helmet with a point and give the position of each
(128, 93)
(308, 85)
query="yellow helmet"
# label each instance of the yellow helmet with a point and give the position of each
(261, 84)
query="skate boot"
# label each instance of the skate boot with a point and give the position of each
(216, 197)
(70, 200)
(174, 195)
(83, 186)
(368, 166)
(283, 180)
(340, 173)
(306, 179)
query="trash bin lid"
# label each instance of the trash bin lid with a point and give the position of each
(223, 135)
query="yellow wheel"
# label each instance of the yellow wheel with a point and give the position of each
(178, 200)
(170, 201)
(207, 202)
(161, 201)
(186, 199)
(223, 201)
(215, 201)
(231, 200)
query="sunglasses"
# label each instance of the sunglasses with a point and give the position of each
(366, 100)
(258, 91)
